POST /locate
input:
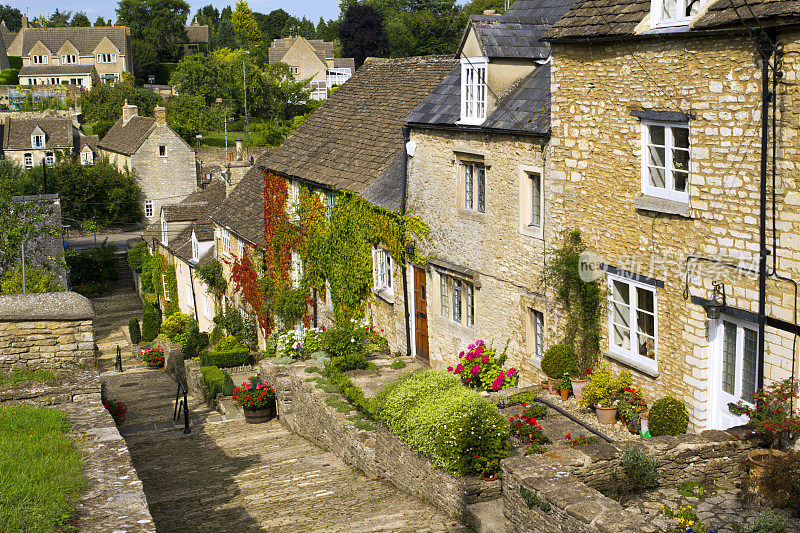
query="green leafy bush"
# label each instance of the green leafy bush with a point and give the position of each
(639, 471)
(604, 389)
(558, 361)
(449, 424)
(216, 381)
(768, 521)
(134, 330)
(192, 341)
(397, 364)
(227, 344)
(137, 255)
(536, 411)
(36, 280)
(668, 416)
(351, 392)
(176, 324)
(151, 321)
(216, 335)
(345, 342)
(98, 265)
(291, 305)
(226, 359)
(481, 367)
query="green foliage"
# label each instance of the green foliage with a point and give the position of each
(170, 292)
(216, 335)
(150, 264)
(134, 330)
(639, 471)
(9, 76)
(42, 470)
(36, 280)
(668, 416)
(481, 367)
(232, 322)
(604, 389)
(176, 324)
(312, 369)
(244, 23)
(361, 33)
(351, 392)
(216, 381)
(161, 23)
(20, 376)
(151, 322)
(778, 484)
(558, 360)
(698, 489)
(212, 277)
(581, 301)
(193, 341)
(291, 305)
(98, 265)
(449, 424)
(532, 500)
(398, 364)
(520, 398)
(21, 221)
(228, 343)
(226, 359)
(137, 256)
(338, 404)
(536, 411)
(345, 341)
(768, 521)
(104, 102)
(188, 115)
(687, 520)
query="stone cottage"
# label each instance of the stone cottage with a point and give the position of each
(164, 165)
(31, 141)
(656, 152)
(478, 179)
(312, 58)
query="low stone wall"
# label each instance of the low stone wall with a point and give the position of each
(302, 408)
(78, 386)
(48, 330)
(562, 486)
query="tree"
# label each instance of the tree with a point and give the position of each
(37, 279)
(423, 33)
(12, 17)
(104, 102)
(80, 20)
(158, 22)
(362, 35)
(145, 58)
(226, 35)
(477, 7)
(101, 22)
(189, 115)
(9, 76)
(59, 19)
(272, 24)
(21, 221)
(246, 27)
(208, 15)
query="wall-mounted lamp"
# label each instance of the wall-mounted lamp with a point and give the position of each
(715, 306)
(410, 249)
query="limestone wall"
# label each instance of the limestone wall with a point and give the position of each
(51, 330)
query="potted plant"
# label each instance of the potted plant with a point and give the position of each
(557, 361)
(579, 381)
(257, 400)
(488, 467)
(603, 391)
(630, 407)
(481, 368)
(563, 385)
(152, 357)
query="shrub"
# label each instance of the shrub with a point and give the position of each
(291, 305)
(536, 410)
(134, 330)
(397, 364)
(225, 359)
(558, 361)
(639, 472)
(351, 392)
(519, 398)
(216, 381)
(36, 280)
(604, 389)
(137, 255)
(97, 265)
(232, 322)
(768, 521)
(151, 321)
(770, 414)
(216, 335)
(344, 341)
(779, 483)
(176, 324)
(192, 342)
(227, 344)
(482, 368)
(452, 426)
(668, 416)
(117, 410)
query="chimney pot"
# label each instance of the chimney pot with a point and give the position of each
(490, 12)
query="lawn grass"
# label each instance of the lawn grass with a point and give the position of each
(20, 376)
(41, 474)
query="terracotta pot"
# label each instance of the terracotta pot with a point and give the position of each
(606, 415)
(564, 394)
(757, 460)
(577, 387)
(489, 477)
(261, 415)
(551, 386)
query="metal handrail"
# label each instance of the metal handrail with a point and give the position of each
(118, 363)
(176, 415)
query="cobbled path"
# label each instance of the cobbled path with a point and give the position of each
(232, 476)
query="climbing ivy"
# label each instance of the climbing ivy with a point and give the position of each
(245, 281)
(171, 279)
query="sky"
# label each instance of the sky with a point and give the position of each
(311, 9)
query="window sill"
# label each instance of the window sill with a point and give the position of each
(387, 295)
(533, 231)
(662, 205)
(469, 213)
(635, 363)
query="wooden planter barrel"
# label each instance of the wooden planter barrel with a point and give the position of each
(261, 415)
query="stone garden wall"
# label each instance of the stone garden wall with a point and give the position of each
(49, 330)
(562, 486)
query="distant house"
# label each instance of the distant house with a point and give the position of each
(199, 38)
(89, 152)
(29, 141)
(164, 164)
(312, 58)
(13, 40)
(75, 56)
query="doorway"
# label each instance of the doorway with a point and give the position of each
(734, 369)
(421, 315)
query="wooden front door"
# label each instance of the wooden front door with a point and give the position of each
(421, 315)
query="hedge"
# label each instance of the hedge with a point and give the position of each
(226, 359)
(449, 424)
(216, 381)
(351, 392)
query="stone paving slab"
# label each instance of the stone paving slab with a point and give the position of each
(260, 477)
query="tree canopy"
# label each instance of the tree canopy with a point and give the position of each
(12, 17)
(246, 27)
(362, 35)
(161, 23)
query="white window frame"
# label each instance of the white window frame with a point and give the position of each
(87, 158)
(164, 232)
(473, 185)
(226, 241)
(474, 90)
(195, 248)
(382, 272)
(167, 295)
(69, 59)
(40, 59)
(668, 192)
(294, 70)
(538, 334)
(457, 299)
(49, 159)
(160, 147)
(293, 202)
(106, 58)
(28, 160)
(631, 356)
(148, 209)
(657, 13)
(38, 141)
(297, 269)
(527, 225)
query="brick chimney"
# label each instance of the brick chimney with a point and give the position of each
(128, 112)
(160, 114)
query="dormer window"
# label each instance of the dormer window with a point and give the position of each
(37, 140)
(68, 59)
(674, 12)
(473, 90)
(40, 59)
(195, 248)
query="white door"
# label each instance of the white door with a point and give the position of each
(734, 363)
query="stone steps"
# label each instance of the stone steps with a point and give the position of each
(488, 517)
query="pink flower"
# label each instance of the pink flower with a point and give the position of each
(461, 355)
(512, 371)
(471, 346)
(469, 356)
(479, 342)
(449, 368)
(485, 359)
(501, 376)
(475, 370)
(459, 368)
(496, 385)
(467, 380)
(478, 350)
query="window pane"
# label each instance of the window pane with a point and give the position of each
(728, 357)
(536, 195)
(444, 303)
(656, 132)
(470, 305)
(670, 8)
(680, 160)
(538, 328)
(657, 177)
(388, 269)
(481, 189)
(621, 315)
(468, 186)
(644, 300)
(749, 364)
(680, 179)
(621, 293)
(457, 300)
(680, 137)
(657, 156)
(622, 337)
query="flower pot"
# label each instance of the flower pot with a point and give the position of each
(154, 365)
(757, 460)
(489, 477)
(564, 394)
(260, 415)
(606, 415)
(551, 386)
(644, 427)
(577, 387)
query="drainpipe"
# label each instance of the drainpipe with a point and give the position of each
(765, 47)
(406, 139)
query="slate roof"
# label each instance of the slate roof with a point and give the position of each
(511, 40)
(54, 70)
(17, 132)
(349, 141)
(84, 39)
(242, 211)
(198, 34)
(197, 205)
(443, 104)
(90, 141)
(617, 18)
(526, 105)
(181, 245)
(127, 138)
